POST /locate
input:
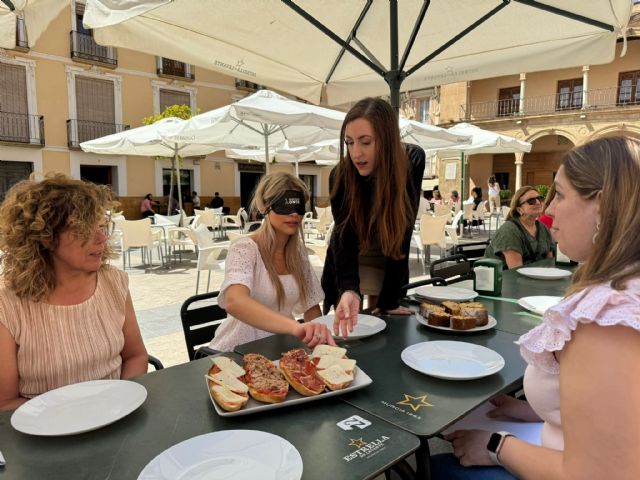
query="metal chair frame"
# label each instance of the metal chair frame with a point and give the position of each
(200, 324)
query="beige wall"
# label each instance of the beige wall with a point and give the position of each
(56, 162)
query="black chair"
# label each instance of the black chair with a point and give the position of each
(472, 250)
(155, 362)
(200, 324)
(455, 268)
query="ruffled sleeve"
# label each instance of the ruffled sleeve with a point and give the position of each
(598, 304)
(240, 267)
(314, 290)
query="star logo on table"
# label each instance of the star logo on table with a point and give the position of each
(357, 442)
(415, 402)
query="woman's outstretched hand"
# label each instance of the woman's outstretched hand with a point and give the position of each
(314, 333)
(346, 313)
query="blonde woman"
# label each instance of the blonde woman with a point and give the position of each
(65, 316)
(268, 277)
(583, 373)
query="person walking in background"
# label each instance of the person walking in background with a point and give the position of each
(268, 276)
(583, 373)
(375, 191)
(195, 200)
(494, 194)
(65, 315)
(146, 206)
(522, 239)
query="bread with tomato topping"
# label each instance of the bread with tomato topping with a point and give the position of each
(266, 383)
(226, 383)
(301, 372)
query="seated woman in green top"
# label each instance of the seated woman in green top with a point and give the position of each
(522, 238)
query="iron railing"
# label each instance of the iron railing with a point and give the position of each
(85, 48)
(174, 68)
(79, 131)
(21, 128)
(248, 86)
(597, 99)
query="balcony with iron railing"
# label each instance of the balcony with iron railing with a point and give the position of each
(248, 86)
(79, 131)
(21, 128)
(165, 67)
(611, 98)
(85, 49)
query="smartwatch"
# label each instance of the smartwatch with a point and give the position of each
(495, 445)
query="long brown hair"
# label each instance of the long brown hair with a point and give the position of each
(267, 190)
(32, 217)
(609, 167)
(390, 214)
(515, 201)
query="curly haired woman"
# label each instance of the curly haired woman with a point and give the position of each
(65, 316)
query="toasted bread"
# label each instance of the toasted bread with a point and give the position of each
(232, 383)
(324, 349)
(226, 399)
(439, 319)
(300, 372)
(459, 322)
(479, 313)
(451, 307)
(266, 383)
(427, 308)
(335, 378)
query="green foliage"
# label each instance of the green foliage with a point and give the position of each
(180, 111)
(543, 190)
(505, 194)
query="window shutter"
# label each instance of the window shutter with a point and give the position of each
(173, 97)
(13, 89)
(95, 100)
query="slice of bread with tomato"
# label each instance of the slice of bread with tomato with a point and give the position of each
(226, 383)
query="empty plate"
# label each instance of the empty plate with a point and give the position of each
(539, 304)
(79, 407)
(367, 325)
(227, 454)
(544, 273)
(440, 294)
(452, 360)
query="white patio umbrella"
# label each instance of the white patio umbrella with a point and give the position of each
(263, 120)
(37, 15)
(148, 141)
(482, 141)
(339, 50)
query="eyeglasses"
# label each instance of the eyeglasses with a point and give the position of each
(533, 201)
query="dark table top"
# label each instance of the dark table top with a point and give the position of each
(415, 402)
(177, 408)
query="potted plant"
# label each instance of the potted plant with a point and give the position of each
(543, 190)
(505, 197)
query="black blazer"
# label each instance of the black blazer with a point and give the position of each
(341, 265)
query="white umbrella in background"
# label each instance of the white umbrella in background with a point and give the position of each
(339, 51)
(148, 141)
(36, 15)
(263, 120)
(482, 141)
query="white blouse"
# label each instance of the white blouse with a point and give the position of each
(244, 266)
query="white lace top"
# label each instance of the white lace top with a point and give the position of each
(244, 266)
(600, 304)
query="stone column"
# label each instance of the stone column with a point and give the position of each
(523, 78)
(519, 157)
(585, 86)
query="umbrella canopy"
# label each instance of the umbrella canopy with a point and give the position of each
(148, 141)
(37, 15)
(483, 141)
(262, 120)
(338, 50)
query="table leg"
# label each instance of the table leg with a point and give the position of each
(423, 460)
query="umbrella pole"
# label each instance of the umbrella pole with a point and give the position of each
(297, 170)
(266, 153)
(175, 159)
(462, 195)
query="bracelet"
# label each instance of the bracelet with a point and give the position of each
(353, 292)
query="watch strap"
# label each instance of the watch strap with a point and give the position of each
(494, 454)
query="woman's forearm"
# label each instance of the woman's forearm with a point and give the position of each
(253, 313)
(12, 403)
(134, 366)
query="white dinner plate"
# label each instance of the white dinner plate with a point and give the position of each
(544, 273)
(490, 324)
(226, 455)
(440, 294)
(367, 325)
(452, 360)
(538, 304)
(79, 407)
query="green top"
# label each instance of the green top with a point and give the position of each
(513, 236)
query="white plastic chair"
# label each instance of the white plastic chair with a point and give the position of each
(319, 247)
(232, 221)
(318, 226)
(432, 232)
(454, 231)
(246, 223)
(209, 258)
(138, 234)
(439, 210)
(479, 215)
